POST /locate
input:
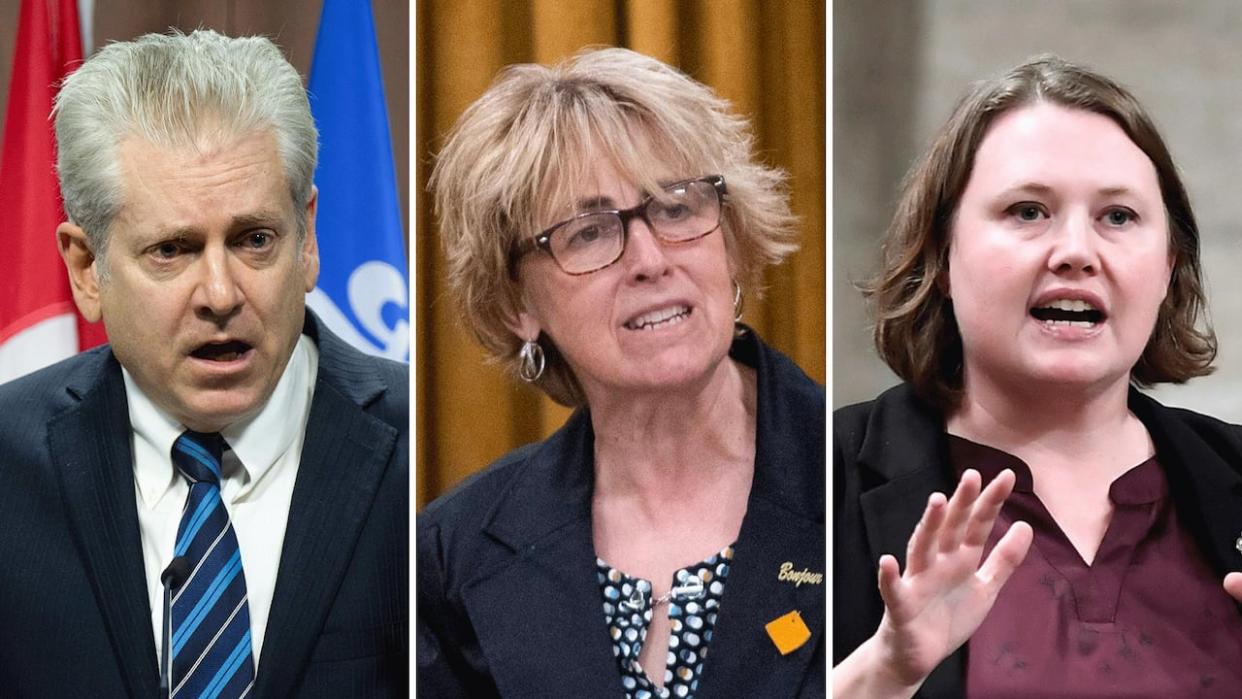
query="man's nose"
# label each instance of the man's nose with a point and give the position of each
(219, 294)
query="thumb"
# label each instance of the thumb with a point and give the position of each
(1233, 585)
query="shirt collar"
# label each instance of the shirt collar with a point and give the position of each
(257, 441)
(1139, 485)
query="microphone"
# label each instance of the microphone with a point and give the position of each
(173, 576)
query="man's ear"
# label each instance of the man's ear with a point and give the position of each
(80, 262)
(310, 244)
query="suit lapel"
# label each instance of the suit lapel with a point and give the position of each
(344, 456)
(890, 513)
(743, 660)
(90, 447)
(540, 621)
(909, 469)
(783, 527)
(1205, 487)
(538, 614)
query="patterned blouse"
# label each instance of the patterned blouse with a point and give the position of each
(692, 606)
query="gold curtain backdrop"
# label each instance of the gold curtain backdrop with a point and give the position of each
(766, 57)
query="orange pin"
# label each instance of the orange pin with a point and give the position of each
(788, 632)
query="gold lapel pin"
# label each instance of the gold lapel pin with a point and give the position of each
(787, 573)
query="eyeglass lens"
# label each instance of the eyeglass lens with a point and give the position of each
(680, 213)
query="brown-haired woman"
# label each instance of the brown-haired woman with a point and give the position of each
(1043, 261)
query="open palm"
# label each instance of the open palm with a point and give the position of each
(944, 594)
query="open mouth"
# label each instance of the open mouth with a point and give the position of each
(221, 351)
(661, 318)
(1068, 312)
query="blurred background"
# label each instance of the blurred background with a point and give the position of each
(767, 58)
(899, 67)
(292, 24)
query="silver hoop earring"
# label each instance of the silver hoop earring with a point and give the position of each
(530, 361)
(738, 302)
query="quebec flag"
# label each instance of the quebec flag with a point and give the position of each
(363, 293)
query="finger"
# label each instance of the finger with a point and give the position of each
(890, 578)
(959, 510)
(1009, 553)
(922, 547)
(1233, 585)
(987, 507)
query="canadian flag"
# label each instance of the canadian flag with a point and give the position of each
(39, 323)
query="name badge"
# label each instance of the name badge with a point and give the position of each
(798, 577)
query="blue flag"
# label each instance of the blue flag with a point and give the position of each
(363, 293)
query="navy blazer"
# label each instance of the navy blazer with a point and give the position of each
(890, 454)
(508, 601)
(73, 596)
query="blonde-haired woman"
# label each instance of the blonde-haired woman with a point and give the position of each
(602, 220)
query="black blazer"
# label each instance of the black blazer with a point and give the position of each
(508, 603)
(890, 454)
(73, 597)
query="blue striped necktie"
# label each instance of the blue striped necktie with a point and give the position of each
(210, 643)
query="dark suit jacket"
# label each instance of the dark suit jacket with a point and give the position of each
(73, 598)
(890, 454)
(508, 602)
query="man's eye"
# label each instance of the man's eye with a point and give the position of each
(167, 250)
(257, 240)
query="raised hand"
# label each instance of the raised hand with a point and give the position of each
(944, 594)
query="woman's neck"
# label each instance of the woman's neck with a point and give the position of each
(1008, 412)
(653, 443)
(673, 473)
(1089, 431)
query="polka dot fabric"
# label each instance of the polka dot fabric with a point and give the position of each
(692, 613)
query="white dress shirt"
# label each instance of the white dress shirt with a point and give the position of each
(259, 470)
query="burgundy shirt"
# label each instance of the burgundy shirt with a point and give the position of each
(1147, 618)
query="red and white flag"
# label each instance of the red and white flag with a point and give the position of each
(39, 323)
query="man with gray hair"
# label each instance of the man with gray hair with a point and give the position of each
(215, 503)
